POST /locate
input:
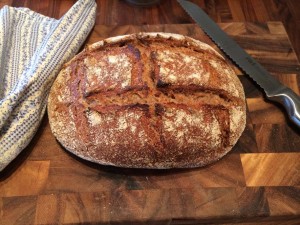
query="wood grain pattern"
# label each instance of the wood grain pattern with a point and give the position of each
(18, 210)
(276, 138)
(115, 12)
(259, 169)
(256, 183)
(32, 175)
(48, 209)
(253, 201)
(283, 200)
(262, 112)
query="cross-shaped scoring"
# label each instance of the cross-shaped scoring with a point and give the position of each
(149, 102)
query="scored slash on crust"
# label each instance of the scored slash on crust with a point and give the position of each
(192, 120)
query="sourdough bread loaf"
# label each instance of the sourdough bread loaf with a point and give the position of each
(148, 100)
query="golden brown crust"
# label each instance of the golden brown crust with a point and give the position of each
(148, 100)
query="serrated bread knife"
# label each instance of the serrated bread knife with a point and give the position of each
(274, 90)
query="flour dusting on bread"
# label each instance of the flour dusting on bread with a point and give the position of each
(148, 100)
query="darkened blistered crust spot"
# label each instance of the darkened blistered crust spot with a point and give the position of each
(148, 101)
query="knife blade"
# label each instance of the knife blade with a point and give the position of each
(273, 89)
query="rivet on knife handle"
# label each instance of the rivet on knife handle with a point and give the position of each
(274, 90)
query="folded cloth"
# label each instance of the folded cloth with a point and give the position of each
(33, 49)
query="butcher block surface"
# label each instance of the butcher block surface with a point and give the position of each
(257, 182)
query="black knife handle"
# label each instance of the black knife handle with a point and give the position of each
(290, 100)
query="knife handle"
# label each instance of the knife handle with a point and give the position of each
(291, 101)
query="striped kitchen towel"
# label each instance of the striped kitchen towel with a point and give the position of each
(33, 49)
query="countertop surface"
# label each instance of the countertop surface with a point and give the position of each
(257, 182)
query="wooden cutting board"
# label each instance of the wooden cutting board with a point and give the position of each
(258, 181)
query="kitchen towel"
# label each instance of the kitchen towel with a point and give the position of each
(33, 49)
